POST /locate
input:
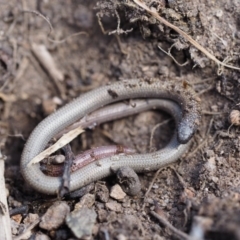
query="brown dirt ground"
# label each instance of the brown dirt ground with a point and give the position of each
(206, 182)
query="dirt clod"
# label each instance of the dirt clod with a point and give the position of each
(129, 180)
(102, 193)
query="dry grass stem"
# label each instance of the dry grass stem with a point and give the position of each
(65, 139)
(5, 226)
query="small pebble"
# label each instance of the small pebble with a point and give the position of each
(114, 206)
(121, 237)
(49, 106)
(17, 218)
(117, 192)
(41, 236)
(210, 153)
(219, 13)
(234, 117)
(210, 165)
(57, 100)
(81, 222)
(215, 179)
(31, 217)
(55, 216)
(86, 201)
(58, 159)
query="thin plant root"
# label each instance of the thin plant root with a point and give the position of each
(51, 28)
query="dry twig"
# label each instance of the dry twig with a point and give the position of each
(181, 235)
